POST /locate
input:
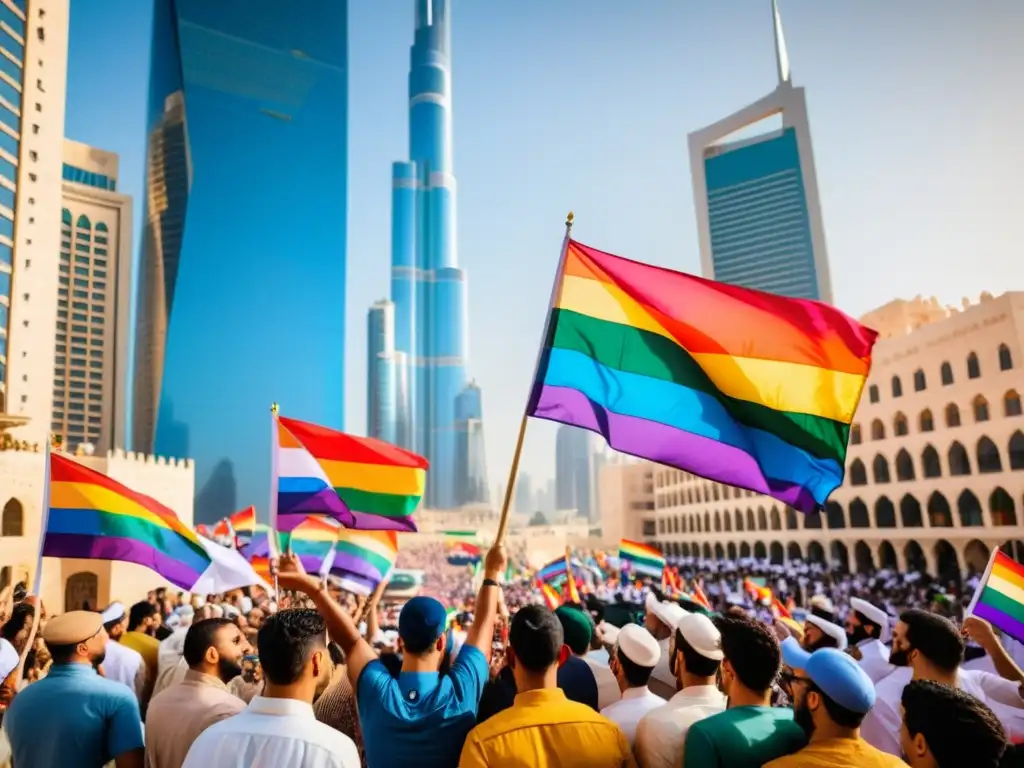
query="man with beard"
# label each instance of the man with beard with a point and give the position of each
(832, 694)
(214, 649)
(822, 633)
(73, 716)
(867, 630)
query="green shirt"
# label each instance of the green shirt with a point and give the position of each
(742, 737)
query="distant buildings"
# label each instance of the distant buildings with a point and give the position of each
(386, 370)
(90, 386)
(525, 499)
(574, 471)
(758, 212)
(470, 456)
(242, 271)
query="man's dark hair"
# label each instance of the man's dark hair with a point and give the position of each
(337, 655)
(935, 637)
(635, 675)
(139, 613)
(286, 641)
(536, 637)
(200, 637)
(752, 649)
(869, 624)
(62, 654)
(696, 664)
(20, 614)
(958, 729)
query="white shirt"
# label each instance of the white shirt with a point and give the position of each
(125, 665)
(607, 686)
(630, 709)
(881, 727)
(662, 732)
(875, 659)
(273, 733)
(662, 681)
(172, 648)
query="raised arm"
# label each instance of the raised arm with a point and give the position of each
(481, 633)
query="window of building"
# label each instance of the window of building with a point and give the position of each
(946, 374)
(1005, 358)
(925, 421)
(952, 415)
(1011, 403)
(897, 387)
(873, 393)
(920, 383)
(980, 406)
(899, 425)
(855, 434)
(877, 430)
(973, 367)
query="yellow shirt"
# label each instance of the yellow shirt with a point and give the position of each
(838, 753)
(148, 648)
(543, 729)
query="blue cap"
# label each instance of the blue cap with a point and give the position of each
(422, 620)
(837, 674)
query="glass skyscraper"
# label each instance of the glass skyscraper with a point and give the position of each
(758, 212)
(427, 285)
(242, 273)
(574, 471)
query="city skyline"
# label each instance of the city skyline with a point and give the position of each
(534, 143)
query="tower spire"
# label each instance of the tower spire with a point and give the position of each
(781, 56)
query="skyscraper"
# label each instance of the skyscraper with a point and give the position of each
(242, 284)
(470, 461)
(380, 366)
(33, 80)
(574, 470)
(90, 387)
(427, 285)
(758, 213)
(525, 502)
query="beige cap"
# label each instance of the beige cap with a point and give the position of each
(72, 627)
(638, 645)
(667, 613)
(702, 635)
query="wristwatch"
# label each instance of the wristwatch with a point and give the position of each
(490, 583)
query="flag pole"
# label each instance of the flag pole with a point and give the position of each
(981, 584)
(272, 505)
(517, 453)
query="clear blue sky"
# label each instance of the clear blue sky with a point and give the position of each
(585, 105)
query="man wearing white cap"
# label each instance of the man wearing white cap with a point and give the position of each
(633, 659)
(867, 630)
(661, 620)
(821, 633)
(695, 655)
(123, 664)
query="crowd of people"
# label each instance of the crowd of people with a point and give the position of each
(871, 670)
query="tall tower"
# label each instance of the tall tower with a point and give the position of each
(427, 285)
(381, 390)
(759, 218)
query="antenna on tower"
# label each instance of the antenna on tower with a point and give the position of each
(781, 56)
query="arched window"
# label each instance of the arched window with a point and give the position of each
(751, 523)
(926, 422)
(714, 492)
(1016, 450)
(101, 227)
(930, 464)
(1001, 508)
(873, 393)
(920, 382)
(834, 515)
(855, 432)
(959, 463)
(859, 514)
(970, 510)
(791, 524)
(897, 387)
(946, 374)
(776, 519)
(858, 474)
(952, 415)
(988, 456)
(1011, 403)
(973, 367)
(939, 513)
(707, 521)
(739, 520)
(812, 520)
(83, 222)
(718, 522)
(65, 217)
(904, 466)
(980, 406)
(910, 512)
(877, 430)
(13, 521)
(885, 513)
(1005, 358)
(880, 469)
(899, 425)
(762, 519)
(727, 522)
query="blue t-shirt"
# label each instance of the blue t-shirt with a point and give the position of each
(420, 719)
(72, 716)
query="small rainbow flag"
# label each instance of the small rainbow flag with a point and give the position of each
(363, 559)
(641, 558)
(93, 517)
(551, 598)
(241, 523)
(999, 599)
(359, 482)
(311, 540)
(738, 386)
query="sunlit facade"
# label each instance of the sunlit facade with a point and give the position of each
(935, 469)
(242, 271)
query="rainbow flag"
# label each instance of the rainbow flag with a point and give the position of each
(241, 523)
(551, 598)
(311, 540)
(999, 599)
(641, 558)
(359, 482)
(363, 559)
(737, 386)
(95, 518)
(461, 547)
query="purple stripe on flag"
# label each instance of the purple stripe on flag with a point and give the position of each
(121, 550)
(1000, 620)
(293, 508)
(344, 561)
(364, 521)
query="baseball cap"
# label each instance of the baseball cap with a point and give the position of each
(422, 620)
(835, 673)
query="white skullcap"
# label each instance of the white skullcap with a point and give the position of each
(113, 612)
(609, 633)
(834, 631)
(638, 645)
(702, 635)
(667, 613)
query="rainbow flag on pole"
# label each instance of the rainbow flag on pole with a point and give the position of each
(641, 558)
(93, 517)
(999, 599)
(363, 559)
(239, 525)
(359, 482)
(738, 386)
(312, 541)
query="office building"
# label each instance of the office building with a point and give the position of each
(380, 365)
(427, 285)
(33, 72)
(758, 211)
(574, 471)
(935, 468)
(525, 501)
(470, 457)
(242, 272)
(90, 385)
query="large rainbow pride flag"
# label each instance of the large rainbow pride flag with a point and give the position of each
(737, 386)
(93, 517)
(360, 482)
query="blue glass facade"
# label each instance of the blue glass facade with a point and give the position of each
(427, 286)
(12, 55)
(758, 216)
(89, 178)
(470, 463)
(574, 471)
(242, 274)
(382, 386)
